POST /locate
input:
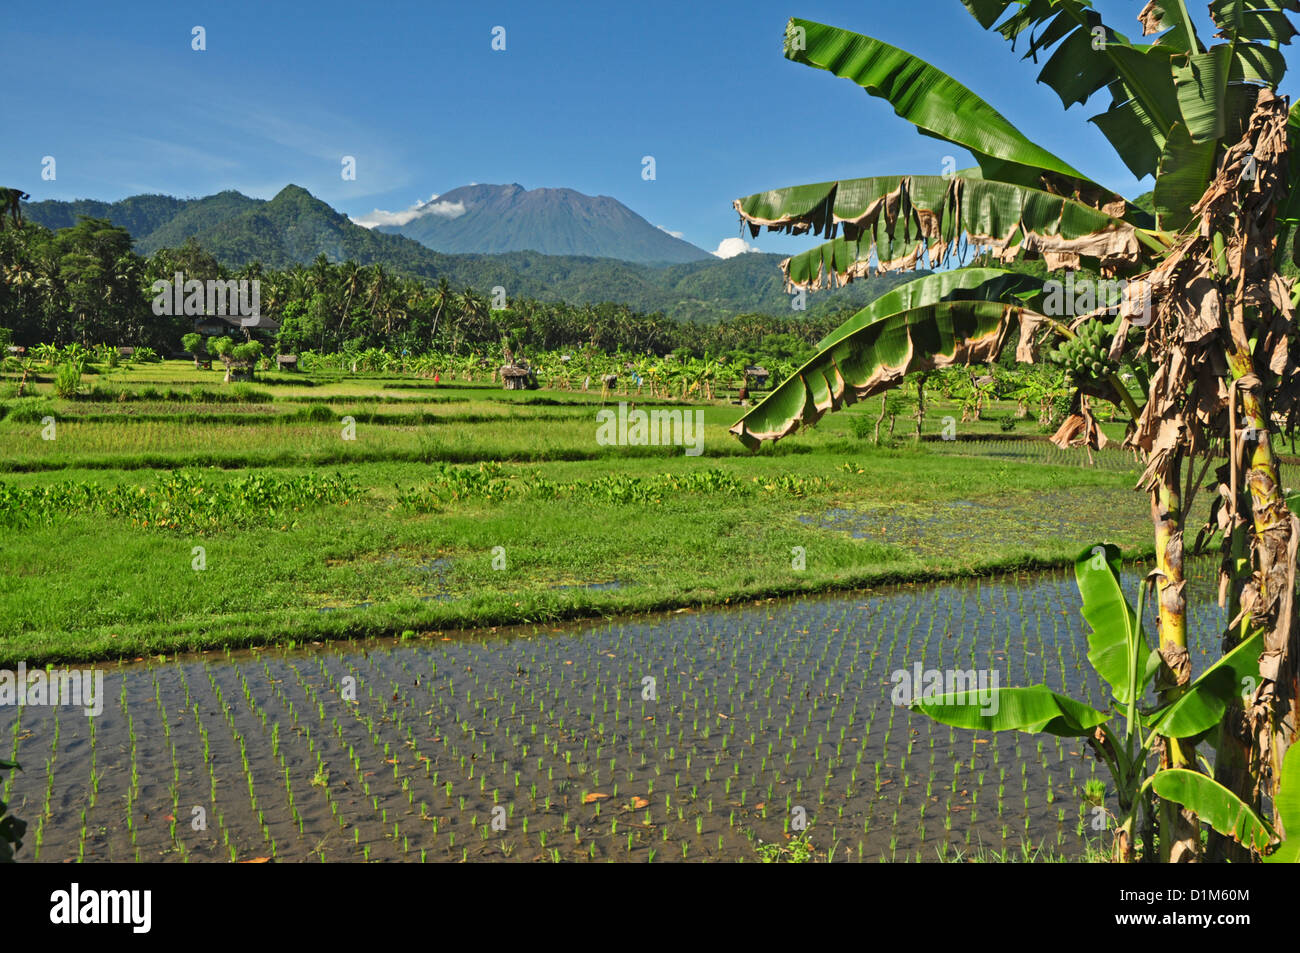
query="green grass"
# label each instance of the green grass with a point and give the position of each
(81, 582)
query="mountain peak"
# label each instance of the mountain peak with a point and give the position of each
(293, 192)
(494, 219)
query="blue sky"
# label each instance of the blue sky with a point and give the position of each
(415, 92)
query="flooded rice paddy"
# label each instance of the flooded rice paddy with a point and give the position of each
(696, 735)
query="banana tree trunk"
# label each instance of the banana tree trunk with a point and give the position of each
(1268, 594)
(1234, 765)
(1180, 840)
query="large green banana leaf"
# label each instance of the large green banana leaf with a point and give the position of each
(897, 217)
(937, 105)
(985, 284)
(1114, 623)
(1217, 90)
(1154, 86)
(1255, 23)
(1202, 706)
(1034, 708)
(1184, 173)
(878, 356)
(1090, 56)
(1287, 805)
(1214, 804)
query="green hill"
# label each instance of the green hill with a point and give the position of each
(294, 227)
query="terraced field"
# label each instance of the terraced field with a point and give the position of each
(347, 619)
(691, 735)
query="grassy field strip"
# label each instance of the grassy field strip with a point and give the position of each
(576, 542)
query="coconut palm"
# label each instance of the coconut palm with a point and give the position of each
(1205, 302)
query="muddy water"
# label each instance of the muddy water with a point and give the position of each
(701, 735)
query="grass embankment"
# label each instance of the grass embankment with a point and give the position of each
(99, 555)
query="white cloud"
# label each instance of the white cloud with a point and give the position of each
(731, 247)
(420, 208)
(670, 231)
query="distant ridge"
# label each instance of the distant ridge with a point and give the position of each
(294, 227)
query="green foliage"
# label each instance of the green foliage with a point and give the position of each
(491, 482)
(245, 393)
(31, 410)
(862, 426)
(798, 850)
(67, 380)
(210, 237)
(182, 501)
(248, 352)
(1119, 652)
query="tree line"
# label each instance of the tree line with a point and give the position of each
(85, 284)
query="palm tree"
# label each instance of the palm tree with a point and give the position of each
(352, 278)
(1205, 302)
(442, 296)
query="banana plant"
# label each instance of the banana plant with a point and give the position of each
(1205, 119)
(1127, 735)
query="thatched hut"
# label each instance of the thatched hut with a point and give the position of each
(517, 377)
(757, 375)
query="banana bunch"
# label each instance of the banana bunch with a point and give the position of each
(1085, 355)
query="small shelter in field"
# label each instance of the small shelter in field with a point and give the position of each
(757, 375)
(517, 377)
(286, 361)
(126, 352)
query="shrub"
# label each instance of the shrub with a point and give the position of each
(101, 392)
(247, 394)
(31, 410)
(247, 353)
(317, 413)
(186, 501)
(67, 380)
(193, 342)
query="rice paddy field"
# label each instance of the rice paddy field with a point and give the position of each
(357, 618)
(698, 735)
